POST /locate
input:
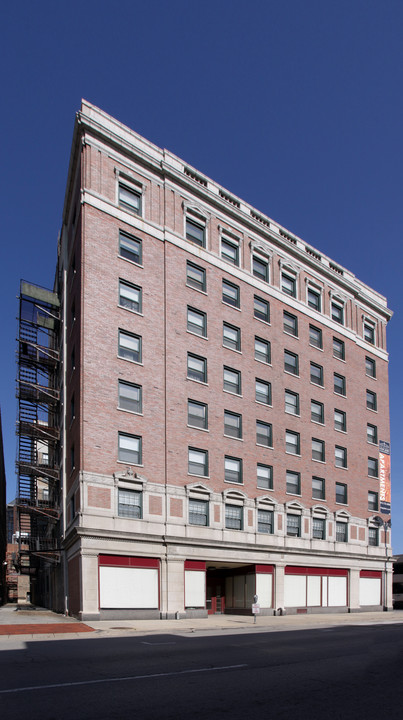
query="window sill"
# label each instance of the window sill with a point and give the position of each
(268, 489)
(341, 467)
(316, 347)
(126, 462)
(371, 410)
(227, 347)
(339, 358)
(316, 385)
(318, 422)
(263, 404)
(234, 307)
(264, 362)
(288, 372)
(135, 362)
(134, 312)
(268, 447)
(287, 452)
(196, 427)
(203, 292)
(266, 322)
(294, 494)
(132, 262)
(200, 382)
(339, 394)
(230, 392)
(233, 482)
(233, 437)
(323, 462)
(289, 412)
(344, 432)
(199, 476)
(290, 334)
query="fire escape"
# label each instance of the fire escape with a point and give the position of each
(38, 484)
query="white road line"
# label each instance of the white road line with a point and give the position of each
(121, 679)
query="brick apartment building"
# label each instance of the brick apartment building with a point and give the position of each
(225, 429)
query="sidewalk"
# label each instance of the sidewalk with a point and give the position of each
(41, 622)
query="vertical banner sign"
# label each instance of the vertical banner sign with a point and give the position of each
(384, 476)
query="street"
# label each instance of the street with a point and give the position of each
(342, 672)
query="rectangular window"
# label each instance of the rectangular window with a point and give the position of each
(233, 469)
(339, 384)
(230, 251)
(130, 396)
(129, 296)
(233, 517)
(318, 450)
(317, 412)
(289, 285)
(260, 268)
(318, 529)
(340, 421)
(129, 503)
(373, 537)
(263, 391)
(292, 442)
(338, 349)
(291, 402)
(337, 313)
(232, 424)
(195, 276)
(373, 503)
(291, 362)
(340, 456)
(370, 367)
(198, 512)
(265, 521)
(197, 414)
(341, 494)
(290, 324)
(197, 368)
(230, 294)
(264, 433)
(293, 525)
(261, 309)
(232, 380)
(197, 322)
(129, 198)
(372, 467)
(371, 400)
(231, 337)
(129, 448)
(372, 434)
(318, 488)
(315, 337)
(262, 350)
(129, 346)
(265, 476)
(293, 482)
(197, 462)
(130, 248)
(341, 532)
(196, 232)
(314, 299)
(369, 333)
(316, 374)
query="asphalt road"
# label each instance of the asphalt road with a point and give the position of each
(337, 673)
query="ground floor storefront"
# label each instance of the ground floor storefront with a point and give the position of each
(175, 583)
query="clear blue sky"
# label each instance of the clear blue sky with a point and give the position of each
(295, 106)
